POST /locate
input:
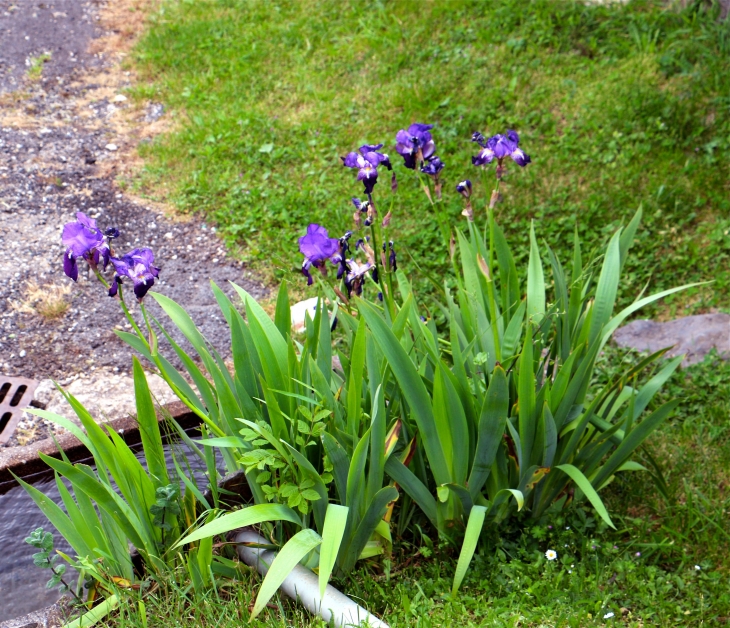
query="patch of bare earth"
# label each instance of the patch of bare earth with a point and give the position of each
(68, 133)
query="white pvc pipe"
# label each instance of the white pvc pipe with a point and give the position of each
(303, 585)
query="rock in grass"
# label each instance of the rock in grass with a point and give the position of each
(693, 336)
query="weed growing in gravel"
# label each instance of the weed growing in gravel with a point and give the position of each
(35, 66)
(47, 301)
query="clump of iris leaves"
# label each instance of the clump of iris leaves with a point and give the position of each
(390, 426)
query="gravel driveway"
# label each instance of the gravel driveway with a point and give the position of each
(65, 135)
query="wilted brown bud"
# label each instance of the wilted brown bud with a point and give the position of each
(468, 212)
(386, 220)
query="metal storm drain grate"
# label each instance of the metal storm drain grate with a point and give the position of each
(16, 394)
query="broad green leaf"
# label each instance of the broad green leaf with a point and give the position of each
(491, 428)
(149, 428)
(471, 537)
(606, 288)
(584, 485)
(627, 236)
(335, 522)
(526, 399)
(288, 557)
(413, 390)
(95, 615)
(354, 383)
(535, 282)
(633, 440)
(108, 500)
(377, 446)
(340, 462)
(366, 525)
(319, 506)
(282, 317)
(248, 516)
(415, 489)
(59, 519)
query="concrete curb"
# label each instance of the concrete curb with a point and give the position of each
(26, 463)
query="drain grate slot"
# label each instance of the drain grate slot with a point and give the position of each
(16, 394)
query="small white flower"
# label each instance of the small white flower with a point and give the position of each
(570, 571)
(567, 527)
(697, 567)
(608, 615)
(551, 554)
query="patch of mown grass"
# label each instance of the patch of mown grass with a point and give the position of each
(619, 106)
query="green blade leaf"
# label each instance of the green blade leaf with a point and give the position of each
(96, 614)
(491, 428)
(535, 282)
(415, 489)
(248, 516)
(584, 485)
(282, 317)
(607, 288)
(471, 536)
(413, 390)
(58, 519)
(288, 557)
(335, 522)
(149, 428)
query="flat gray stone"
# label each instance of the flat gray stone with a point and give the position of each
(52, 617)
(693, 336)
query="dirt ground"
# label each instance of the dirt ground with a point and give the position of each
(67, 133)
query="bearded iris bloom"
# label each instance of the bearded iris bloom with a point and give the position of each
(367, 163)
(317, 247)
(415, 144)
(356, 276)
(498, 147)
(137, 265)
(432, 166)
(83, 239)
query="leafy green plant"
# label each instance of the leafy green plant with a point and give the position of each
(46, 559)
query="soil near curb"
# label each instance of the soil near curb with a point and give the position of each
(66, 136)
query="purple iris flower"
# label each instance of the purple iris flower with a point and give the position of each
(391, 257)
(432, 166)
(464, 188)
(356, 275)
(83, 239)
(317, 247)
(415, 144)
(367, 163)
(361, 206)
(499, 146)
(344, 250)
(137, 265)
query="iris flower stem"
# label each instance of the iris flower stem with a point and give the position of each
(387, 292)
(436, 206)
(152, 336)
(128, 314)
(490, 279)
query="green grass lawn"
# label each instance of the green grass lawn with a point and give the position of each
(619, 106)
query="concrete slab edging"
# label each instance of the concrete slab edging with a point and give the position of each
(25, 462)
